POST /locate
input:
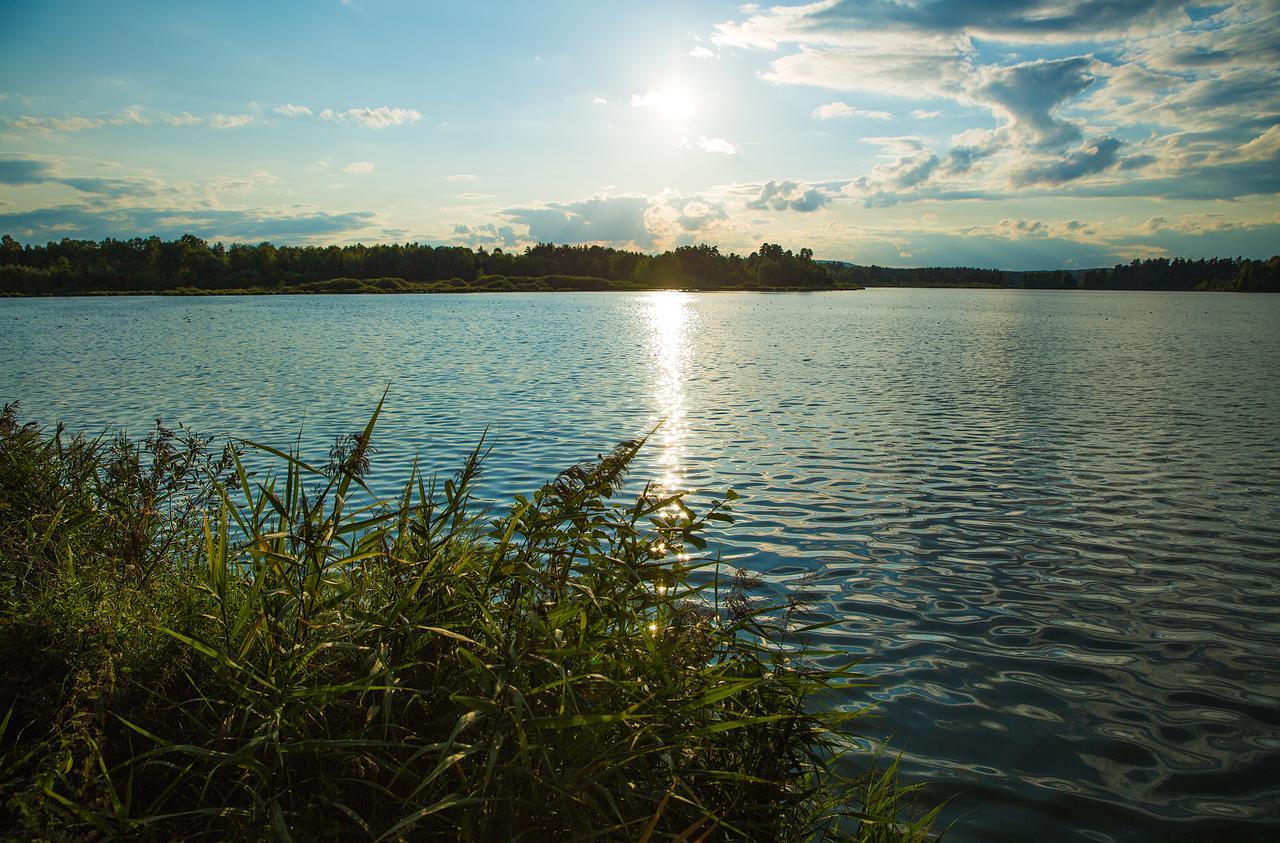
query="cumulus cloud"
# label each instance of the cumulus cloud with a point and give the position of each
(1209, 81)
(485, 235)
(702, 53)
(635, 220)
(833, 110)
(1027, 95)
(381, 117)
(717, 145)
(1090, 158)
(790, 195)
(291, 110)
(598, 219)
(674, 219)
(359, 167)
(913, 164)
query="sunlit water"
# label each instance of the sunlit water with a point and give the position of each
(1049, 522)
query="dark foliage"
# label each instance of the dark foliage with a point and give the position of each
(190, 265)
(1236, 274)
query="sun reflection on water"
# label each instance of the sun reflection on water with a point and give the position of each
(670, 318)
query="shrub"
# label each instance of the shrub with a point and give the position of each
(194, 651)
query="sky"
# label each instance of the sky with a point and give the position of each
(998, 133)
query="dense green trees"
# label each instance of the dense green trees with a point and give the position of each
(189, 263)
(1237, 274)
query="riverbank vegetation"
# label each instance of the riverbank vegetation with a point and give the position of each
(191, 650)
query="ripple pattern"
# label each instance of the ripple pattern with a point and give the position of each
(1048, 522)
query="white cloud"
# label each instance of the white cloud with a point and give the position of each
(229, 121)
(381, 117)
(359, 167)
(672, 104)
(461, 177)
(842, 109)
(702, 53)
(186, 118)
(718, 145)
(291, 110)
(599, 101)
(239, 184)
(921, 114)
(790, 195)
(27, 123)
(1264, 147)
(134, 115)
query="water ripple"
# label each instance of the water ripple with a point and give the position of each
(1047, 522)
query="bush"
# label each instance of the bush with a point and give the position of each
(192, 651)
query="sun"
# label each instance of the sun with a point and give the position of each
(676, 105)
(673, 103)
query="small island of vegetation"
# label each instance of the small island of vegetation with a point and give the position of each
(194, 652)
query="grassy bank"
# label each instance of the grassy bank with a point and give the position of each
(194, 652)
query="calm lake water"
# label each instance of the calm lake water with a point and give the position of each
(1048, 521)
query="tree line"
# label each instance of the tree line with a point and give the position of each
(1233, 274)
(191, 264)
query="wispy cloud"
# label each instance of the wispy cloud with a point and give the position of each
(359, 167)
(134, 115)
(230, 121)
(381, 117)
(833, 110)
(186, 118)
(291, 110)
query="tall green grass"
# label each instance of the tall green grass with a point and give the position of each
(192, 651)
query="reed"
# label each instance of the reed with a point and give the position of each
(194, 651)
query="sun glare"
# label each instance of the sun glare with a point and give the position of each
(672, 103)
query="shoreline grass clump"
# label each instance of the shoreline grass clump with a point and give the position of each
(192, 651)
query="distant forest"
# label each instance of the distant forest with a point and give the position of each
(191, 265)
(1233, 274)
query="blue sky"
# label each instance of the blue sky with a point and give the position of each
(993, 132)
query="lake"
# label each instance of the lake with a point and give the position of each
(1048, 522)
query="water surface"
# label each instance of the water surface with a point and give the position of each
(1048, 521)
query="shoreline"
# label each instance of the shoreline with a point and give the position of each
(196, 293)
